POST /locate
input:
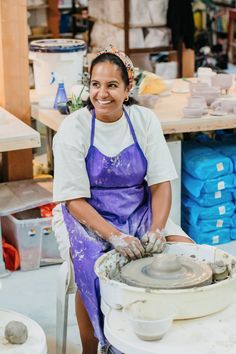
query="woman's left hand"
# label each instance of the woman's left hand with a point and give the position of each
(154, 241)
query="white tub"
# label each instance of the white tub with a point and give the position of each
(55, 60)
(190, 303)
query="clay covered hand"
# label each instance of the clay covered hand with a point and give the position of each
(154, 241)
(128, 246)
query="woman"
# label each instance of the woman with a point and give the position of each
(113, 171)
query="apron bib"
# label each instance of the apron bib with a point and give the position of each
(121, 195)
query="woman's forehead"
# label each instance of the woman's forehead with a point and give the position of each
(106, 70)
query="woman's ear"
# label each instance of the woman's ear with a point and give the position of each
(129, 88)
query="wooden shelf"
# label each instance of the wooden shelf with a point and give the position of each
(38, 7)
(219, 3)
(65, 8)
(38, 36)
(150, 50)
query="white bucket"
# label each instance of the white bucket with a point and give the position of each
(55, 60)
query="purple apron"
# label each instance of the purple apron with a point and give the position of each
(121, 195)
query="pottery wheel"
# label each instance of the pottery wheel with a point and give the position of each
(166, 271)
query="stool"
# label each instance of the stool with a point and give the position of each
(230, 39)
(36, 342)
(65, 286)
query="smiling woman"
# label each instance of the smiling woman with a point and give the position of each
(112, 174)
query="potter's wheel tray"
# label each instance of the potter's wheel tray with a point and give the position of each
(166, 271)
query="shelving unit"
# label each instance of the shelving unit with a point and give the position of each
(223, 4)
(40, 11)
(31, 8)
(157, 49)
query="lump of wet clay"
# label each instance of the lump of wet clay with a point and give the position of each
(16, 332)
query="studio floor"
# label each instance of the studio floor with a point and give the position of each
(33, 294)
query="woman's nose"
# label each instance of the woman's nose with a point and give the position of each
(103, 92)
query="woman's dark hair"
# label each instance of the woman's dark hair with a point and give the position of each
(114, 59)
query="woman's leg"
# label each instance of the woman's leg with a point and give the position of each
(176, 238)
(89, 342)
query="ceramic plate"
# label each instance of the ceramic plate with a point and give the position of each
(217, 113)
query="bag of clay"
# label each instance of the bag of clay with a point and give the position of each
(196, 186)
(157, 38)
(158, 11)
(104, 34)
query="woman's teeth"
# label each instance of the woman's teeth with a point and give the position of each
(104, 102)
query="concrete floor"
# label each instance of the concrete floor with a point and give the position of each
(33, 294)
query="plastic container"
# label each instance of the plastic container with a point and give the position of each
(61, 97)
(55, 60)
(33, 237)
(150, 322)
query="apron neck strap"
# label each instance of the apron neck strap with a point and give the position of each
(130, 127)
(92, 128)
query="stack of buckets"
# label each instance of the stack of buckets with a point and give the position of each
(56, 60)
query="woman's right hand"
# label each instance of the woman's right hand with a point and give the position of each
(127, 245)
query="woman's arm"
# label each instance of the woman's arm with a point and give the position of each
(125, 244)
(154, 239)
(89, 217)
(161, 204)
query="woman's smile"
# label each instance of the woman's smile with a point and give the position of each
(102, 102)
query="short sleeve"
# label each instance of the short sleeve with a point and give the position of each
(160, 164)
(70, 174)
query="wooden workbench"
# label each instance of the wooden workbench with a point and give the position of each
(16, 135)
(167, 108)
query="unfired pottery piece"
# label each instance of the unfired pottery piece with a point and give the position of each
(166, 271)
(16, 332)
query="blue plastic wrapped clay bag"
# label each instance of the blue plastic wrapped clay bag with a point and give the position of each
(196, 186)
(210, 199)
(233, 234)
(193, 212)
(207, 225)
(203, 162)
(226, 148)
(234, 194)
(209, 238)
(234, 221)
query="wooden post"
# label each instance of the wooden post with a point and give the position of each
(14, 82)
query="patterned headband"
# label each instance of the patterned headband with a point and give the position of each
(124, 58)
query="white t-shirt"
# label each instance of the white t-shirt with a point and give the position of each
(72, 141)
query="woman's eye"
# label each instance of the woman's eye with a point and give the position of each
(112, 85)
(94, 84)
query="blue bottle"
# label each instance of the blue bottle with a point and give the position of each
(61, 98)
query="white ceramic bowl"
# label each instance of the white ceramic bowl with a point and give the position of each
(224, 81)
(193, 112)
(150, 322)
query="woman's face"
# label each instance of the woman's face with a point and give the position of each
(107, 91)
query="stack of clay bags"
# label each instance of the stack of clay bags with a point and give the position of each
(208, 183)
(225, 144)
(109, 25)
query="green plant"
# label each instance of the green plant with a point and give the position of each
(76, 102)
